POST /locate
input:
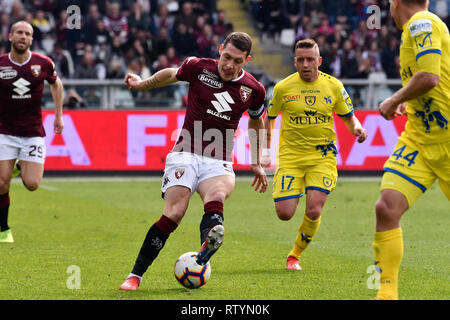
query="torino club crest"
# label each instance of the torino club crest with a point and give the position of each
(36, 70)
(179, 173)
(245, 93)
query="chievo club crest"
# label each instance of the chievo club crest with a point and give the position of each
(310, 100)
(327, 182)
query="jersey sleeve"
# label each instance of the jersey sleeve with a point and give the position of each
(186, 72)
(426, 42)
(275, 103)
(51, 73)
(257, 109)
(344, 105)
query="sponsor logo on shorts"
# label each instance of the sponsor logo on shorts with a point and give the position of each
(179, 173)
(228, 167)
(166, 181)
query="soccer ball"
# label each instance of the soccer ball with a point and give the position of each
(189, 273)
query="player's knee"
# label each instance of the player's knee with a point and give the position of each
(32, 185)
(175, 210)
(382, 208)
(313, 212)
(284, 213)
(176, 216)
(385, 213)
(4, 185)
(217, 195)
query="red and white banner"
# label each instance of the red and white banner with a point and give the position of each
(140, 141)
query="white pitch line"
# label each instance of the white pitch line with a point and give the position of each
(45, 187)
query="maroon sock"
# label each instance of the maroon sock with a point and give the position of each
(166, 225)
(215, 206)
(213, 216)
(4, 208)
(154, 242)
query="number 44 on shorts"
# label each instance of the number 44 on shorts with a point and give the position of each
(410, 157)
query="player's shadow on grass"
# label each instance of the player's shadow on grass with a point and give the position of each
(147, 293)
(274, 271)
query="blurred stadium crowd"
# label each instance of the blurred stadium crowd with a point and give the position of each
(140, 36)
(144, 36)
(349, 49)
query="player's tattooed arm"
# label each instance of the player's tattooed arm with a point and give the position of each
(160, 79)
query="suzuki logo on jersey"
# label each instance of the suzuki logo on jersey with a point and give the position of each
(21, 87)
(221, 105)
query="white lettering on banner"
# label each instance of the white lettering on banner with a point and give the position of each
(138, 140)
(241, 151)
(180, 122)
(73, 146)
(176, 133)
(361, 151)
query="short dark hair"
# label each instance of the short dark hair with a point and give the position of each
(306, 44)
(240, 40)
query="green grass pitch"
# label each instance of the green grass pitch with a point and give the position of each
(97, 227)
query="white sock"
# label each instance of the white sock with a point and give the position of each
(134, 275)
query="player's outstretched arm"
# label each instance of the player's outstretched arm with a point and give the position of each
(256, 136)
(269, 125)
(354, 127)
(160, 79)
(57, 91)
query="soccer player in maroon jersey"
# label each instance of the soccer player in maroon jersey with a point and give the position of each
(22, 75)
(220, 91)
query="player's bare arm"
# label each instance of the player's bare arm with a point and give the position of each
(160, 79)
(256, 134)
(269, 125)
(354, 127)
(57, 94)
(420, 83)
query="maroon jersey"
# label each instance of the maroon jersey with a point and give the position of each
(215, 107)
(21, 87)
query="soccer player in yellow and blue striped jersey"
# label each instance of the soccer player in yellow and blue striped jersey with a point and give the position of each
(306, 157)
(422, 154)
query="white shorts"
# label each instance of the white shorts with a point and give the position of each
(189, 169)
(22, 148)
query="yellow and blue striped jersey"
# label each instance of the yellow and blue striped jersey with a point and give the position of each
(307, 132)
(426, 47)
